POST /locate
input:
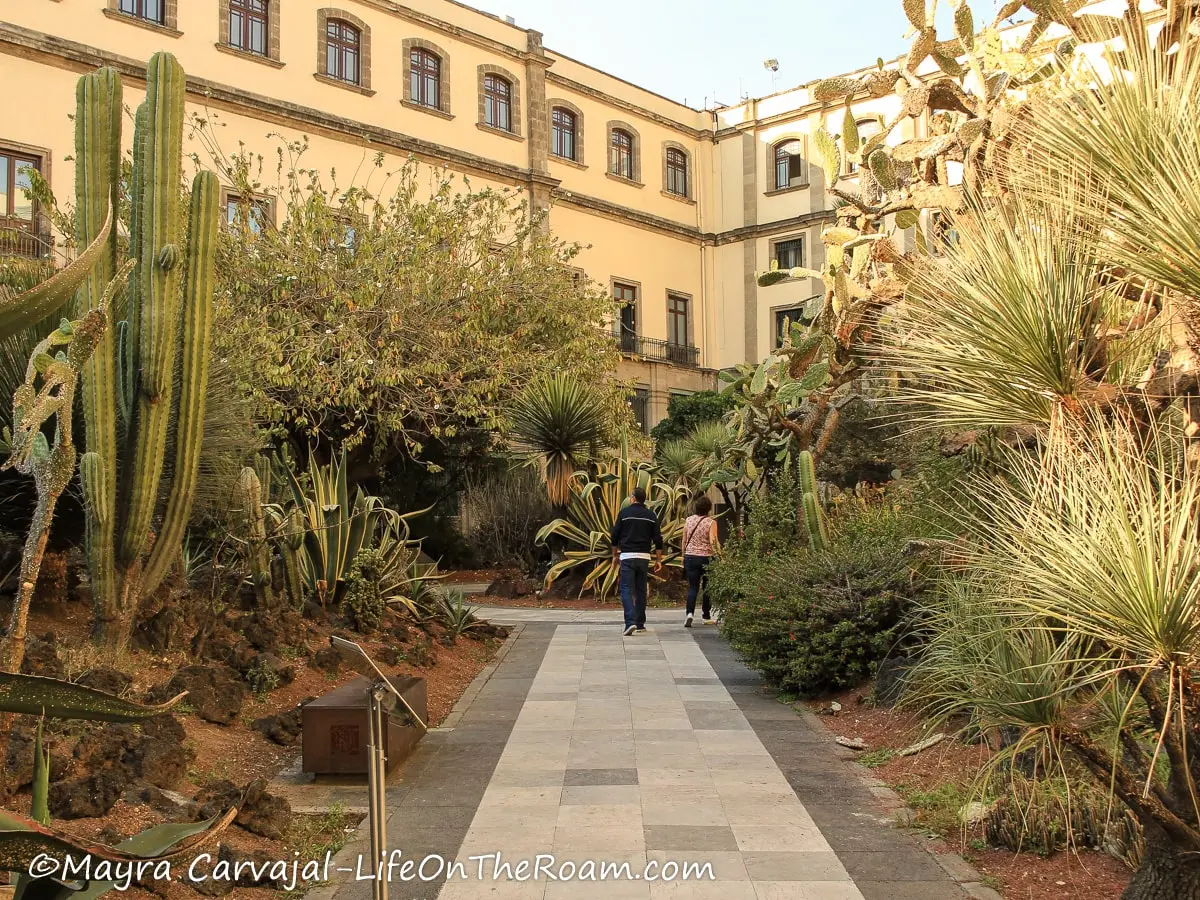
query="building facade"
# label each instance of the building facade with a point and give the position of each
(677, 208)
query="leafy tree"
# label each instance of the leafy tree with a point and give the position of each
(381, 322)
(686, 411)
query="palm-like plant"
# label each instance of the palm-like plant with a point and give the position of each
(725, 463)
(1016, 320)
(1085, 581)
(595, 500)
(678, 463)
(558, 424)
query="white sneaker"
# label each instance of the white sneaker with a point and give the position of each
(687, 623)
(628, 631)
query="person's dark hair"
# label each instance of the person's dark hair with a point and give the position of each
(702, 505)
(639, 494)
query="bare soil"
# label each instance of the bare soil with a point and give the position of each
(237, 752)
(937, 781)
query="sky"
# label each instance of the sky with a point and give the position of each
(698, 50)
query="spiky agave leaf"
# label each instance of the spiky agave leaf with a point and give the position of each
(22, 840)
(36, 695)
(596, 500)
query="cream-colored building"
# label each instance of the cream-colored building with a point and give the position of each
(677, 208)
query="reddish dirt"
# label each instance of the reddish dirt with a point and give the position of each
(1064, 876)
(1083, 875)
(237, 752)
(478, 576)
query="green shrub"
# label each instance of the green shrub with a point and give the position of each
(363, 603)
(814, 622)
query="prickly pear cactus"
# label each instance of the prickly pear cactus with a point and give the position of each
(891, 187)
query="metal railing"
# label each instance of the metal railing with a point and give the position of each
(20, 242)
(651, 348)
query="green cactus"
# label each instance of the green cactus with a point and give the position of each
(152, 370)
(291, 543)
(811, 513)
(258, 554)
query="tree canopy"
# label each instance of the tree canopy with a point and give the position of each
(381, 322)
(686, 411)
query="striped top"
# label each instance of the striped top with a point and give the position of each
(697, 532)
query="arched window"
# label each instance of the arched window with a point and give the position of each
(248, 25)
(564, 127)
(789, 164)
(677, 172)
(342, 51)
(425, 76)
(620, 156)
(497, 102)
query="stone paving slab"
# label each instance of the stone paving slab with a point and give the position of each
(653, 749)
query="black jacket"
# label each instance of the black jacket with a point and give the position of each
(636, 530)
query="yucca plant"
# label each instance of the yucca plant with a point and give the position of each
(678, 463)
(1083, 559)
(23, 839)
(558, 424)
(596, 497)
(1080, 624)
(1020, 318)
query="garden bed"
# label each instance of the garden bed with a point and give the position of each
(237, 752)
(938, 782)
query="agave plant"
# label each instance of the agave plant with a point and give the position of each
(559, 424)
(23, 839)
(403, 576)
(596, 499)
(336, 529)
(456, 615)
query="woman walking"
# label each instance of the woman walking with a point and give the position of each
(699, 545)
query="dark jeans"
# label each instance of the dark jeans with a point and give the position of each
(696, 570)
(635, 577)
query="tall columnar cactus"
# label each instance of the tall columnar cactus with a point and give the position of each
(811, 513)
(153, 368)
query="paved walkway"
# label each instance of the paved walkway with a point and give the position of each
(656, 748)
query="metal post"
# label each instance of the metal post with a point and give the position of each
(377, 789)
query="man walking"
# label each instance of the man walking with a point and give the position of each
(634, 533)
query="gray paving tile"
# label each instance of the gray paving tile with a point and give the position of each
(690, 837)
(574, 777)
(784, 866)
(876, 865)
(913, 890)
